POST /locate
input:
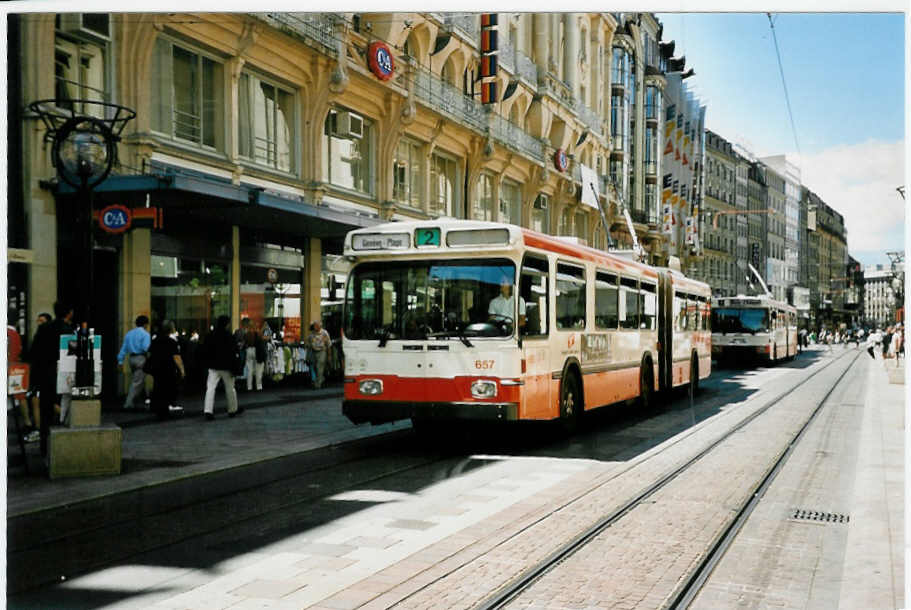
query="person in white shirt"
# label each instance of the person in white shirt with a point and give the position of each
(504, 305)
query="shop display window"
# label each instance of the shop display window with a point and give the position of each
(271, 298)
(191, 292)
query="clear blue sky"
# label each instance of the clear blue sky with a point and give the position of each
(844, 73)
(845, 77)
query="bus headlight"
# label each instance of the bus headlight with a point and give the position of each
(483, 388)
(371, 387)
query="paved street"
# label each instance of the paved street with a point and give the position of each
(398, 523)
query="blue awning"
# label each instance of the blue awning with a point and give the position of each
(208, 198)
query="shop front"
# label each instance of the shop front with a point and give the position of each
(218, 248)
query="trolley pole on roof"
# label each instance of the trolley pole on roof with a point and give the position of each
(759, 277)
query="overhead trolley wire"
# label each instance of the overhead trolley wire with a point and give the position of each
(784, 83)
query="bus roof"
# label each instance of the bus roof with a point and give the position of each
(760, 300)
(405, 238)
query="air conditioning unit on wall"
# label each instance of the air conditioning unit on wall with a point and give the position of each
(348, 125)
(93, 25)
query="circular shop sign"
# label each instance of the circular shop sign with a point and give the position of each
(561, 162)
(115, 218)
(380, 61)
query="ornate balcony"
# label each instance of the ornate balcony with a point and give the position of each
(467, 24)
(516, 138)
(439, 95)
(315, 29)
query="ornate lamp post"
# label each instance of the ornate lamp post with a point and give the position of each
(84, 150)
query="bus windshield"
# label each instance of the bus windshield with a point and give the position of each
(728, 320)
(430, 299)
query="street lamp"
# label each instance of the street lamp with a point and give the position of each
(84, 150)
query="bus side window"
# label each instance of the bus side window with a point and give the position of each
(680, 311)
(629, 304)
(648, 306)
(606, 301)
(692, 312)
(571, 297)
(533, 289)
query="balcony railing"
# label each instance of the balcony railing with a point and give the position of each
(443, 97)
(316, 29)
(517, 138)
(469, 25)
(526, 67)
(589, 117)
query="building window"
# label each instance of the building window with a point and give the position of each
(265, 122)
(540, 214)
(79, 73)
(651, 150)
(566, 222)
(483, 202)
(651, 202)
(406, 170)
(582, 226)
(190, 95)
(510, 203)
(348, 149)
(444, 180)
(652, 103)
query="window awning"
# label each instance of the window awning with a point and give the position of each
(209, 198)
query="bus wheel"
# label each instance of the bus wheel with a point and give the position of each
(570, 403)
(646, 386)
(694, 377)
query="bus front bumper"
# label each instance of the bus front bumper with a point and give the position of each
(379, 412)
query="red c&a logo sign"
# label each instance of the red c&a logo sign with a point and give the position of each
(115, 218)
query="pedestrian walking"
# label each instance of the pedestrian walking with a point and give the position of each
(256, 358)
(886, 342)
(318, 344)
(135, 351)
(220, 355)
(872, 340)
(895, 344)
(167, 370)
(44, 354)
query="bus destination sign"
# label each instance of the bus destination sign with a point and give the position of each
(380, 241)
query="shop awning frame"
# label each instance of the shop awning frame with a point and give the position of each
(200, 195)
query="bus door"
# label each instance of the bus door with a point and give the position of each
(665, 330)
(534, 289)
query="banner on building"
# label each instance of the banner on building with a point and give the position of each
(590, 192)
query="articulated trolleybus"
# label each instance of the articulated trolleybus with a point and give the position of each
(753, 327)
(454, 319)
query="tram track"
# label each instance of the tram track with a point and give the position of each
(517, 585)
(511, 591)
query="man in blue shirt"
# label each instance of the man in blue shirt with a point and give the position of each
(135, 348)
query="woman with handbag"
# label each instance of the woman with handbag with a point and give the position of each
(167, 370)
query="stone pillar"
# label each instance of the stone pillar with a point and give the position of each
(540, 39)
(235, 276)
(571, 52)
(135, 285)
(310, 292)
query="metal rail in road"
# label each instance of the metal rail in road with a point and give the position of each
(512, 590)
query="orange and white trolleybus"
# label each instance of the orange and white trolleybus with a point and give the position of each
(456, 319)
(754, 326)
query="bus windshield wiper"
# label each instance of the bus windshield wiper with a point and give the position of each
(462, 337)
(384, 335)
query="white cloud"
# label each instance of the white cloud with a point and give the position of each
(859, 181)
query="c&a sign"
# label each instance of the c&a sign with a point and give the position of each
(115, 218)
